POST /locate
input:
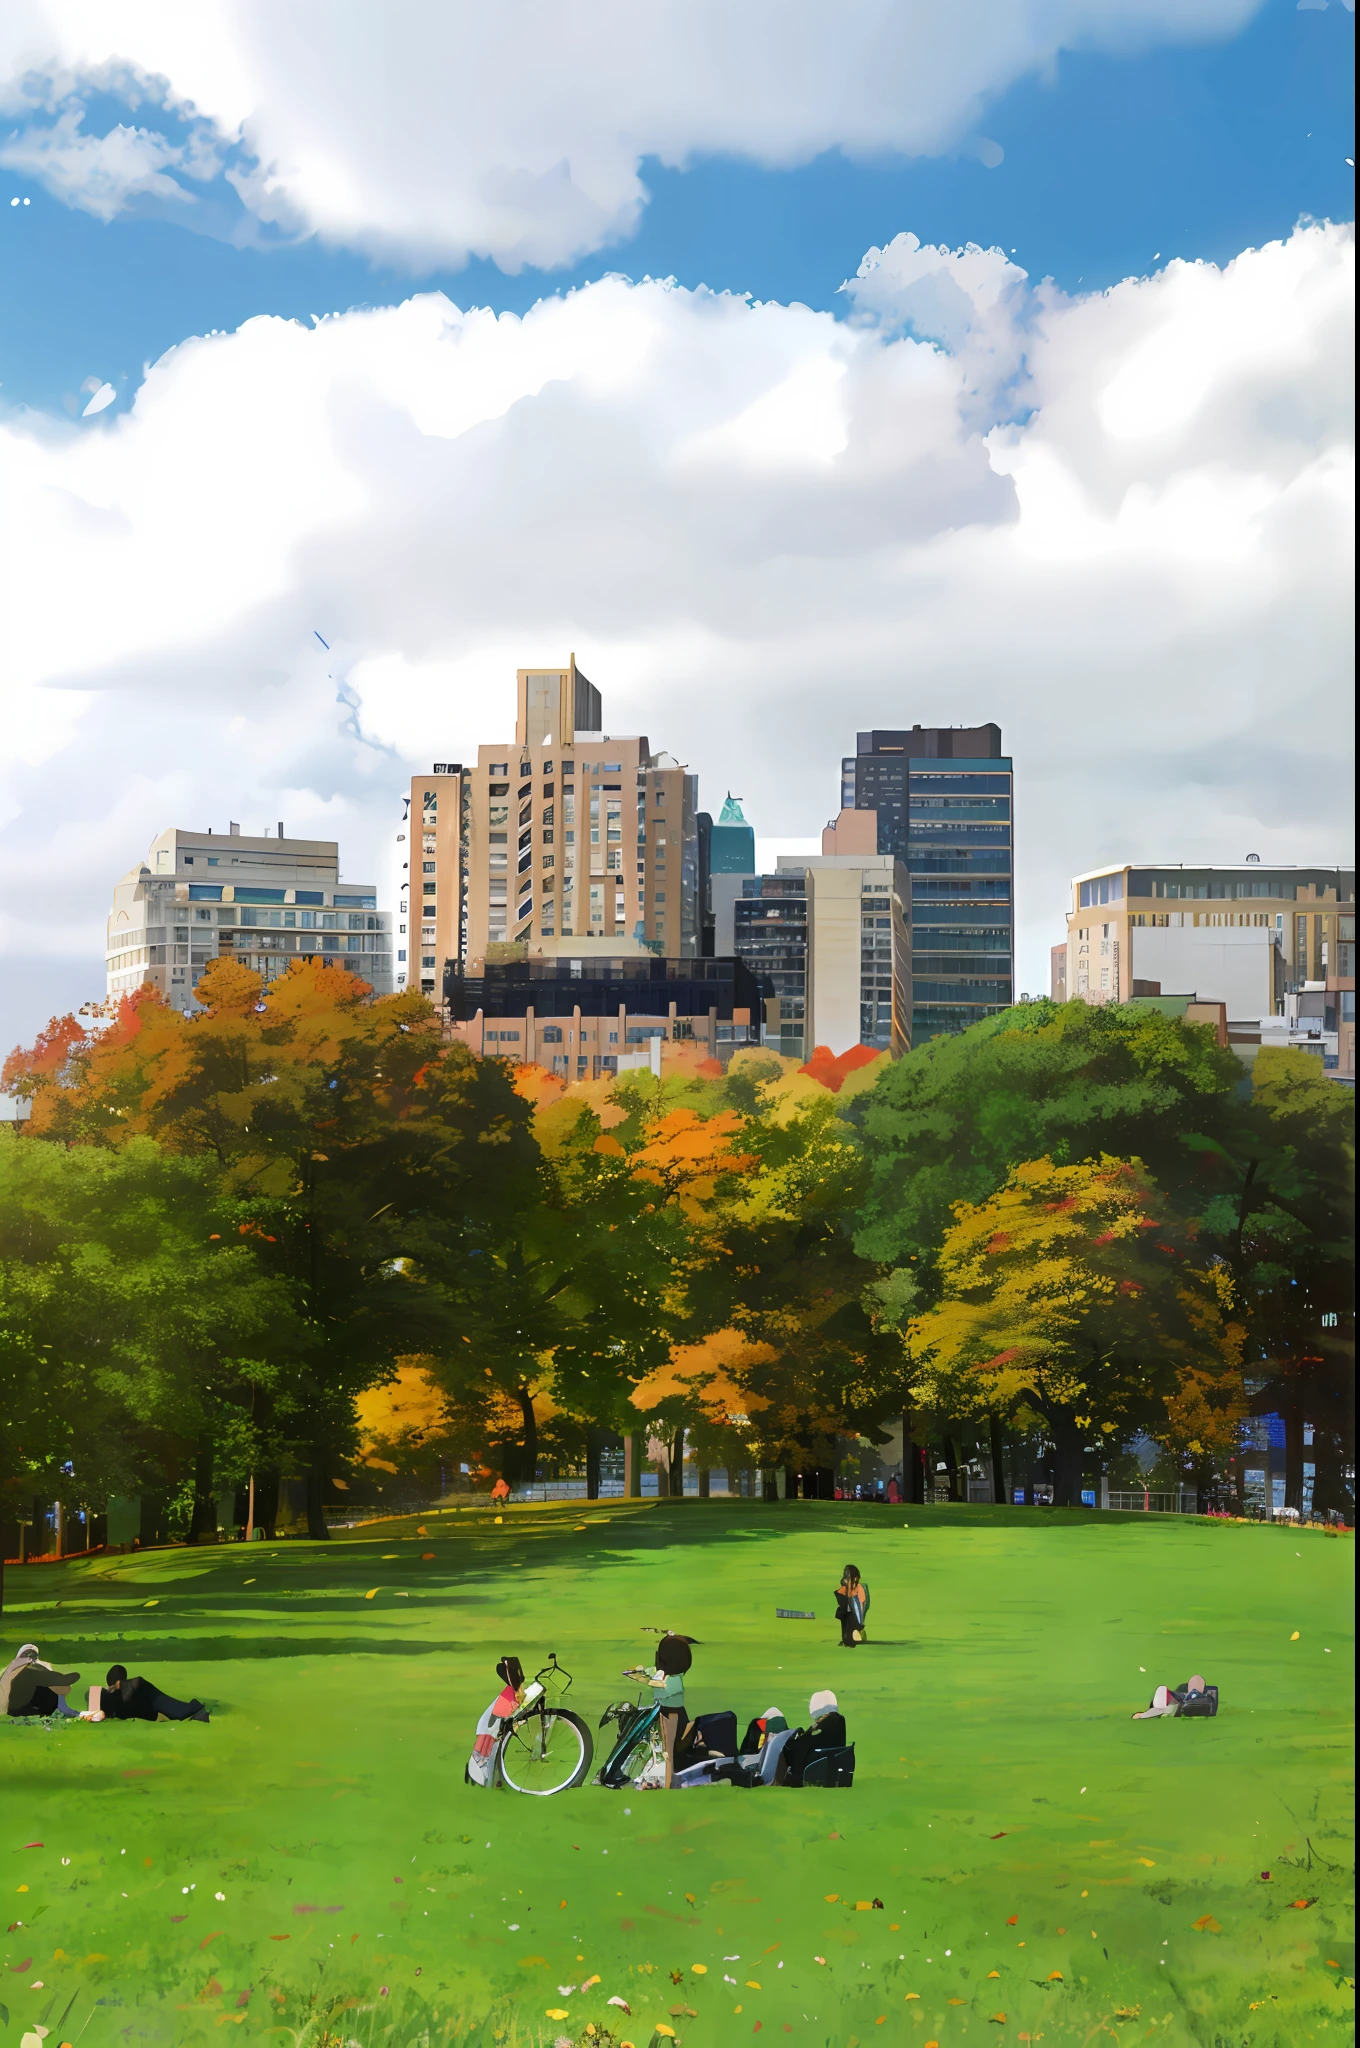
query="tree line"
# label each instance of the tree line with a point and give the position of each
(298, 1225)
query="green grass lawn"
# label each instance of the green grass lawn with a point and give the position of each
(311, 1868)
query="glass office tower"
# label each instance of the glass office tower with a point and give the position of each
(943, 795)
(770, 934)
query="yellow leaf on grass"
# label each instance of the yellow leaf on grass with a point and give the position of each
(998, 2019)
(500, 1518)
(556, 2012)
(151, 1603)
(371, 1595)
(1147, 1862)
(994, 1973)
(831, 1898)
(957, 2001)
(697, 1969)
(751, 1984)
(1294, 1638)
(1206, 1924)
(661, 2027)
(1055, 1976)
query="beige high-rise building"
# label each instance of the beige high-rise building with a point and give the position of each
(565, 832)
(200, 896)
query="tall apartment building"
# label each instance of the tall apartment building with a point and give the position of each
(943, 796)
(831, 934)
(200, 896)
(563, 832)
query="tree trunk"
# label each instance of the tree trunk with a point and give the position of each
(592, 1464)
(267, 1502)
(951, 1460)
(998, 1460)
(316, 1518)
(203, 1523)
(704, 1489)
(1293, 1455)
(676, 1464)
(1066, 1460)
(734, 1476)
(913, 1469)
(633, 1449)
(529, 1451)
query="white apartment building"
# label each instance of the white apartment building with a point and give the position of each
(201, 896)
(858, 950)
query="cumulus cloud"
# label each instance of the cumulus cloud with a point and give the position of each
(435, 128)
(758, 527)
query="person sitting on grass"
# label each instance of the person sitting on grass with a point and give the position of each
(827, 1731)
(121, 1698)
(28, 1686)
(771, 1722)
(852, 1607)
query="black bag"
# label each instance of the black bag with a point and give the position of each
(708, 1735)
(1197, 1706)
(831, 1767)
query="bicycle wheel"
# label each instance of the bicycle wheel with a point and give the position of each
(545, 1753)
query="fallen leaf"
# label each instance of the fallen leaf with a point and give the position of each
(1014, 1920)
(555, 2012)
(957, 2001)
(1294, 1638)
(699, 1969)
(998, 2019)
(1002, 1836)
(425, 1556)
(151, 1603)
(831, 1897)
(1055, 1976)
(371, 1595)
(1206, 1924)
(994, 1973)
(751, 1984)
(862, 1905)
(1302, 1905)
(1146, 1862)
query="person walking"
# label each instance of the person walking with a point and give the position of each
(852, 1607)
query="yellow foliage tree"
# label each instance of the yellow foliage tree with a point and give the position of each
(1072, 1291)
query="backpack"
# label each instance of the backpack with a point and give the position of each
(1196, 1706)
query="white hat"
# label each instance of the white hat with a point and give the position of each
(822, 1703)
(773, 1714)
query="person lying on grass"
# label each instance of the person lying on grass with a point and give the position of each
(826, 1731)
(28, 1686)
(1170, 1700)
(121, 1698)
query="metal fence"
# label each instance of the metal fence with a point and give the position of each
(1144, 1503)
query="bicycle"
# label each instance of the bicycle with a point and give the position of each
(545, 1748)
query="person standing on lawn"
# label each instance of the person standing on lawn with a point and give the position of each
(667, 1679)
(852, 1607)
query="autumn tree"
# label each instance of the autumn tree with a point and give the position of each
(380, 1165)
(1071, 1290)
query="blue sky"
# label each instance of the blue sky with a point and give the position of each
(1113, 514)
(1110, 162)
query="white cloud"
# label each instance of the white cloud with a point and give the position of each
(1153, 605)
(439, 128)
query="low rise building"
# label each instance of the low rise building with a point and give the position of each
(1245, 935)
(581, 1014)
(201, 896)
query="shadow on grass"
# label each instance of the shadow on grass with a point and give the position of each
(235, 1650)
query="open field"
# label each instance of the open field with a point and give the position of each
(310, 1867)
